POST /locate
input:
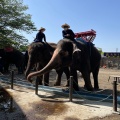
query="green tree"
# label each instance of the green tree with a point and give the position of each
(23, 48)
(13, 21)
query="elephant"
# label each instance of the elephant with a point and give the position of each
(12, 57)
(1, 65)
(39, 54)
(78, 56)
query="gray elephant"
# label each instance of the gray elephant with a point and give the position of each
(77, 55)
(39, 54)
(12, 57)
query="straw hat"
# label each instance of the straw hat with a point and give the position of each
(41, 28)
(65, 25)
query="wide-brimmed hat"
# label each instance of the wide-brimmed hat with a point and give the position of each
(65, 25)
(42, 28)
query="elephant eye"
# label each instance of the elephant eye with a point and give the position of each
(63, 53)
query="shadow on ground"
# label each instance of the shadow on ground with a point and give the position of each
(9, 108)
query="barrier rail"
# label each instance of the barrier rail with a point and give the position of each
(116, 79)
(69, 91)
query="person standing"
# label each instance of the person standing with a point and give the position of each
(68, 33)
(40, 35)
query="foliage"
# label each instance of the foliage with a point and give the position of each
(13, 21)
(23, 48)
(100, 51)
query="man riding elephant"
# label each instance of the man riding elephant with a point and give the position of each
(67, 33)
(40, 35)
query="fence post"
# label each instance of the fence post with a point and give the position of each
(115, 95)
(71, 88)
(11, 104)
(12, 78)
(36, 87)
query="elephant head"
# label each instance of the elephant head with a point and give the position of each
(39, 53)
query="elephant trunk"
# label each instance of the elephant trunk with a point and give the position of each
(29, 66)
(27, 72)
(52, 64)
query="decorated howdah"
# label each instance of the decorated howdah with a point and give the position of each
(112, 54)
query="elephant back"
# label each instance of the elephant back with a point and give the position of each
(14, 56)
(52, 46)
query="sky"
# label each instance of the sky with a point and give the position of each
(103, 16)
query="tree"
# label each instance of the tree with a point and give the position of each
(13, 21)
(23, 48)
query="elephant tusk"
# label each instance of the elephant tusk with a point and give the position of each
(77, 50)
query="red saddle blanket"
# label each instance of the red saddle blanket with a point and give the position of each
(8, 49)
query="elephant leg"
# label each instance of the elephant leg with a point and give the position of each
(58, 77)
(6, 66)
(20, 70)
(30, 64)
(86, 76)
(73, 72)
(46, 79)
(95, 76)
(67, 73)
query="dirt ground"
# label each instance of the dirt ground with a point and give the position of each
(48, 106)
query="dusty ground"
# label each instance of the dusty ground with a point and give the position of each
(46, 106)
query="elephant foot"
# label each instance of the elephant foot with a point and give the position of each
(96, 88)
(40, 83)
(46, 84)
(76, 89)
(57, 84)
(89, 88)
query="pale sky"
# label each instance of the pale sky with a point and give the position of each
(103, 16)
